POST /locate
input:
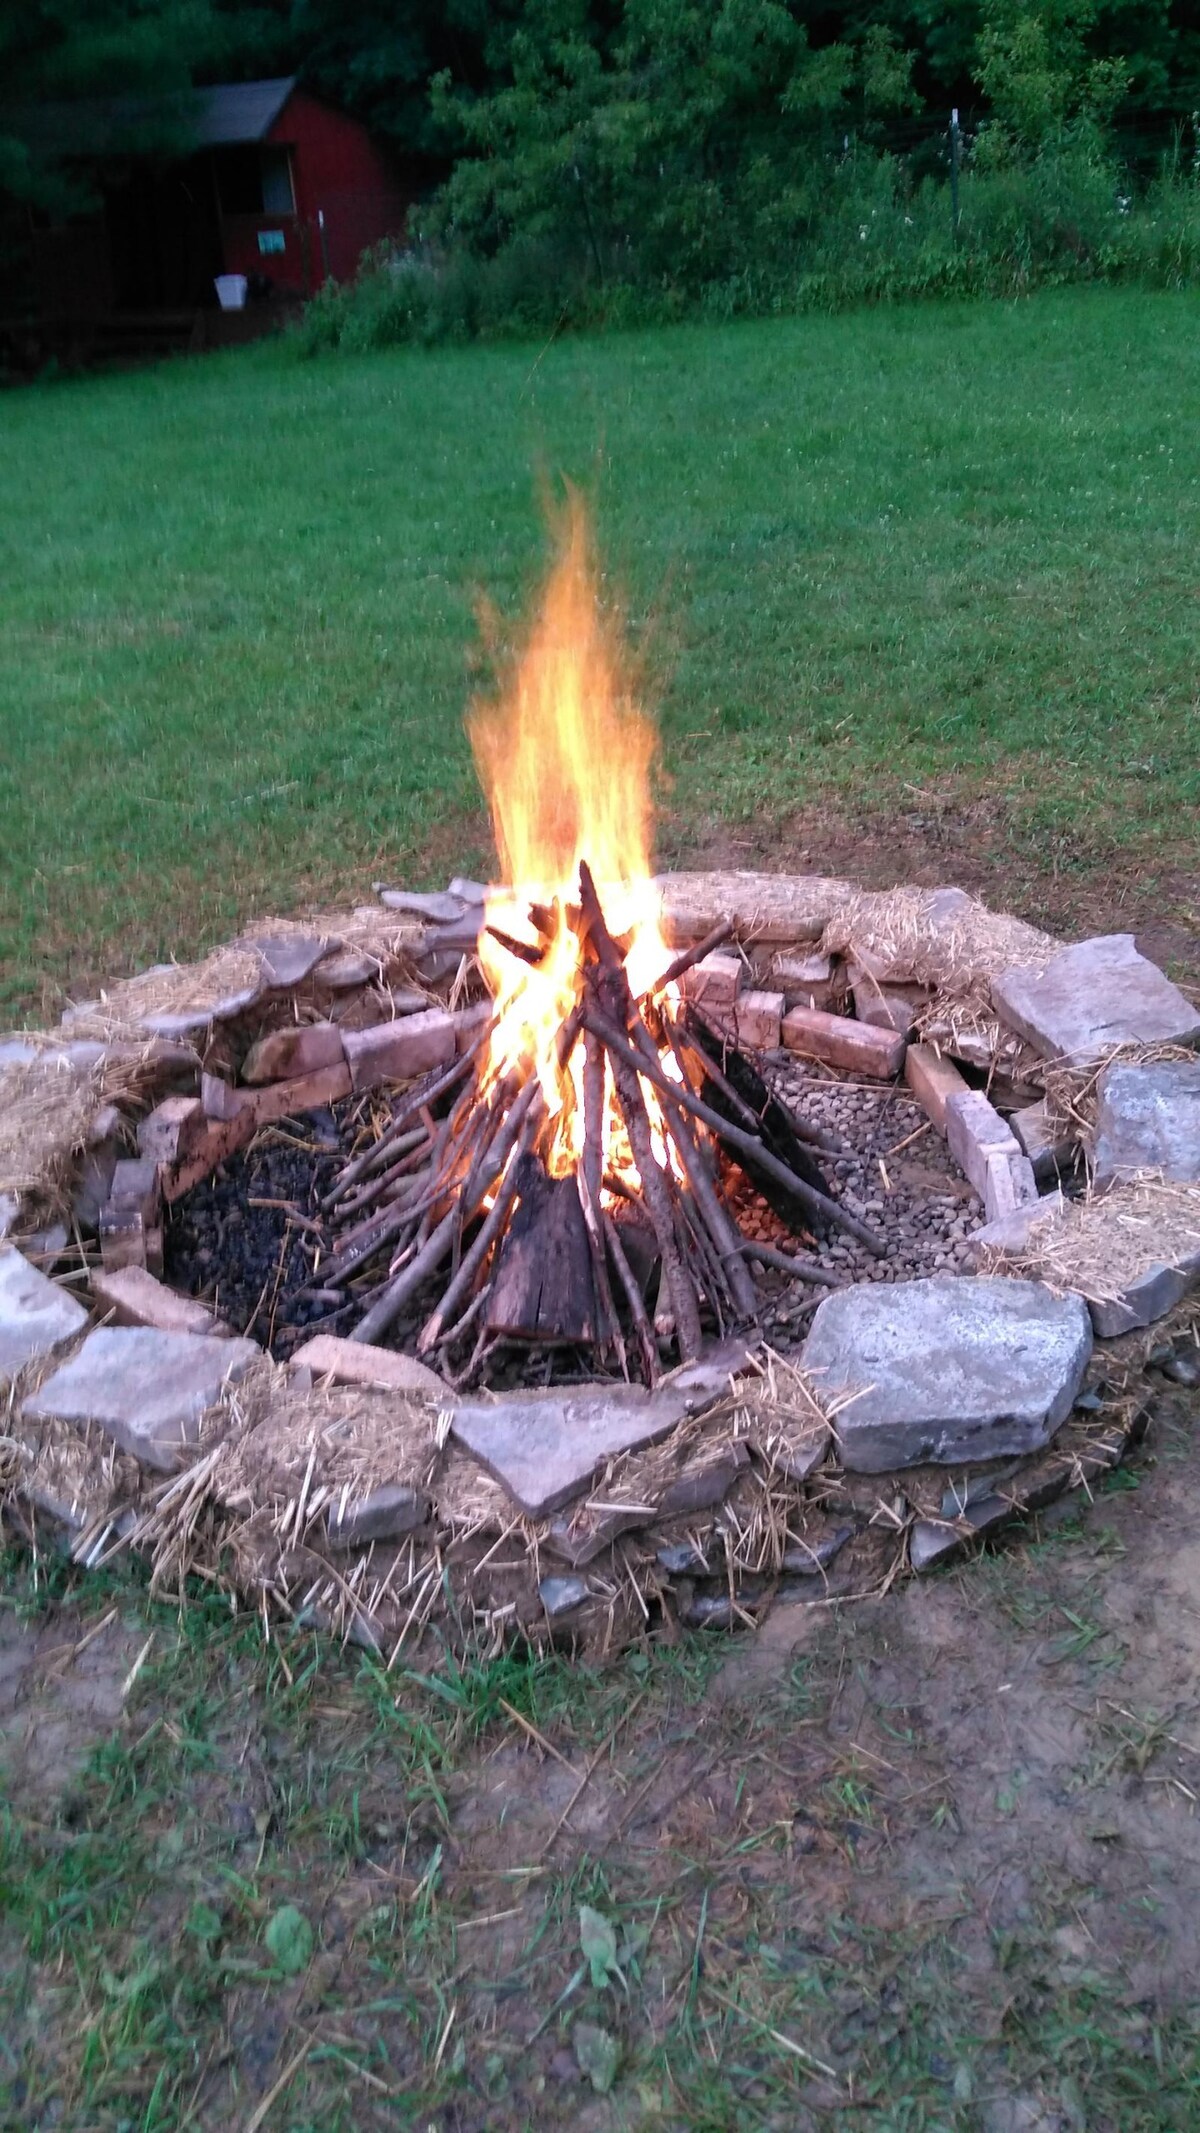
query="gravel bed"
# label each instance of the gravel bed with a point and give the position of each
(897, 1175)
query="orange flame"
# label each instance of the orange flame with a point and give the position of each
(564, 758)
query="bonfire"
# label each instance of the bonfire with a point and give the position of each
(561, 1183)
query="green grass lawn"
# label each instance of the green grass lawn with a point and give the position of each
(951, 547)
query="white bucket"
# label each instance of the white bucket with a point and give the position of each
(231, 291)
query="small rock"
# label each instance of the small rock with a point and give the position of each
(1184, 1369)
(287, 958)
(358, 1363)
(545, 1448)
(1048, 1146)
(561, 1596)
(289, 1053)
(347, 969)
(384, 1514)
(436, 905)
(810, 1559)
(931, 1543)
(135, 1298)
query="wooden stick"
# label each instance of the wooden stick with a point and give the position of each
(589, 1178)
(414, 1146)
(492, 1225)
(635, 1300)
(802, 1269)
(619, 1049)
(425, 1093)
(817, 1136)
(656, 1195)
(441, 1240)
(675, 970)
(525, 954)
(710, 1209)
(655, 1190)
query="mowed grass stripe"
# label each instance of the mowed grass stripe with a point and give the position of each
(239, 595)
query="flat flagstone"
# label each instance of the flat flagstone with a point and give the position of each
(1091, 997)
(1146, 1298)
(147, 1389)
(436, 905)
(135, 1298)
(1149, 1119)
(949, 1369)
(359, 1363)
(35, 1313)
(545, 1448)
(288, 958)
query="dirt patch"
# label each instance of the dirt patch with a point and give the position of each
(940, 1842)
(963, 835)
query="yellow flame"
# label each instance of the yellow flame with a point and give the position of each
(564, 758)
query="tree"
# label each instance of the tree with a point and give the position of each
(60, 50)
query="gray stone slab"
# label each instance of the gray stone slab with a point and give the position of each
(384, 1514)
(561, 1596)
(435, 904)
(1016, 1232)
(287, 958)
(1141, 1302)
(1149, 1119)
(545, 1448)
(35, 1314)
(1091, 997)
(930, 1543)
(1049, 1146)
(147, 1389)
(950, 1369)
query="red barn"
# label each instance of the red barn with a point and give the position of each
(253, 178)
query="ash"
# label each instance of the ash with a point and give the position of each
(244, 1239)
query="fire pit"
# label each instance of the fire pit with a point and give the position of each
(599, 1251)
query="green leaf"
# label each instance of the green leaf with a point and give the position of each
(289, 1939)
(598, 1940)
(204, 1923)
(597, 2054)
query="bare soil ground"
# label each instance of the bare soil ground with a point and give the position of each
(930, 1859)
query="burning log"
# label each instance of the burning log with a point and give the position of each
(482, 1202)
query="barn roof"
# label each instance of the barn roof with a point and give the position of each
(225, 116)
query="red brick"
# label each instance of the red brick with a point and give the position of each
(835, 1039)
(933, 1081)
(757, 1019)
(400, 1050)
(302, 1048)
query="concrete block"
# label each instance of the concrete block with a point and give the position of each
(714, 982)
